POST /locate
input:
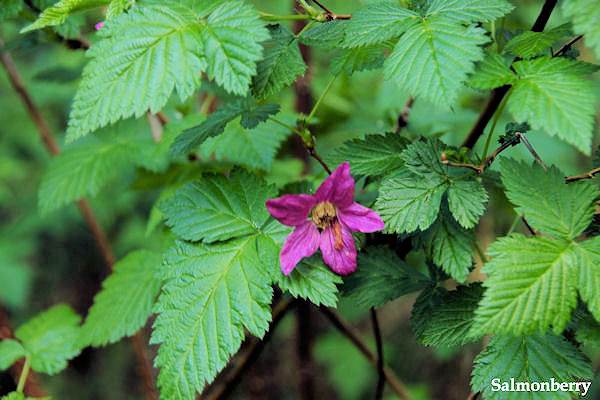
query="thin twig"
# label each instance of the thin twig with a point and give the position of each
(587, 175)
(97, 231)
(529, 227)
(380, 360)
(225, 383)
(330, 14)
(313, 153)
(531, 150)
(499, 93)
(567, 46)
(350, 332)
(486, 163)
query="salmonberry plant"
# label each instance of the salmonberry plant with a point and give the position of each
(209, 103)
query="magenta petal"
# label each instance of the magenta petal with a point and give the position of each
(302, 242)
(99, 25)
(360, 219)
(341, 261)
(338, 188)
(291, 209)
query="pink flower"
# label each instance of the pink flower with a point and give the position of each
(333, 215)
(99, 25)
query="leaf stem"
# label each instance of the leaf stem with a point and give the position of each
(24, 375)
(480, 252)
(495, 122)
(513, 225)
(320, 100)
(291, 128)
(276, 17)
(586, 175)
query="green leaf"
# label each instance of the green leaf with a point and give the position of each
(467, 199)
(558, 102)
(536, 358)
(58, 13)
(382, 276)
(10, 8)
(215, 123)
(555, 208)
(251, 148)
(425, 304)
(14, 396)
(424, 158)
(378, 23)
(434, 57)
(451, 321)
(312, 280)
(448, 244)
(218, 208)
(125, 302)
(589, 275)
(51, 339)
(328, 35)
(87, 165)
(156, 48)
(529, 44)
(531, 285)
(491, 73)
(281, 65)
(117, 7)
(466, 11)
(408, 202)
(372, 155)
(212, 292)
(10, 351)
(585, 16)
(358, 59)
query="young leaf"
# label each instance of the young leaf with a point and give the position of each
(408, 202)
(586, 20)
(555, 208)
(492, 72)
(467, 199)
(211, 293)
(125, 302)
(558, 102)
(10, 351)
(218, 208)
(378, 23)
(251, 148)
(381, 277)
(372, 155)
(281, 65)
(451, 321)
(530, 44)
(448, 245)
(51, 338)
(159, 47)
(536, 358)
(58, 13)
(312, 280)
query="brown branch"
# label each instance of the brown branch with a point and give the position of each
(330, 14)
(567, 46)
(87, 213)
(380, 360)
(499, 93)
(587, 175)
(313, 153)
(403, 117)
(350, 332)
(227, 381)
(486, 163)
(531, 150)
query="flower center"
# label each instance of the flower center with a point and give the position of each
(323, 216)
